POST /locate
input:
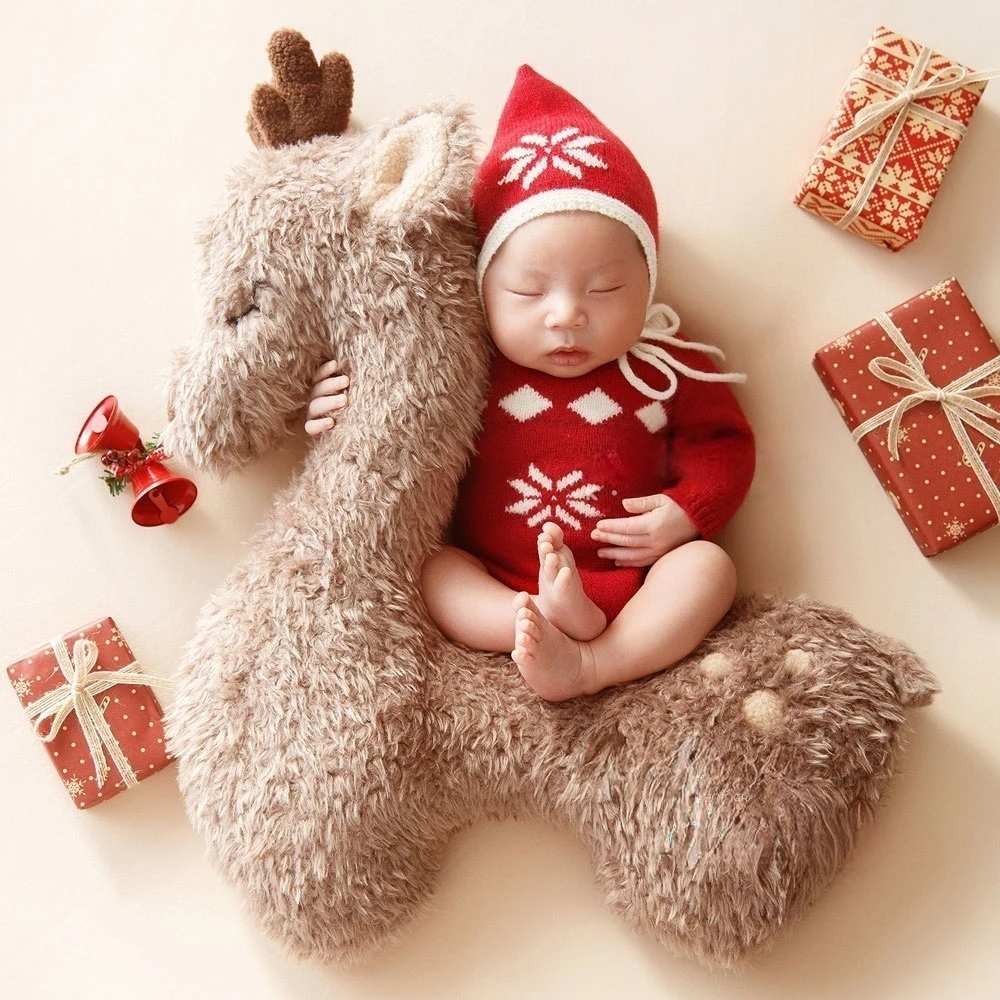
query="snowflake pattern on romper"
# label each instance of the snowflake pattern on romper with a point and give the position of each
(554, 501)
(539, 152)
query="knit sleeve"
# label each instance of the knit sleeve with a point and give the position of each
(711, 448)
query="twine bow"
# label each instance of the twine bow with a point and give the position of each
(77, 695)
(660, 326)
(901, 105)
(959, 400)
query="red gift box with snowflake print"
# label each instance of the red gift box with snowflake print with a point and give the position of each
(902, 115)
(919, 388)
(92, 706)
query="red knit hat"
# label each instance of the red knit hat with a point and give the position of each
(551, 154)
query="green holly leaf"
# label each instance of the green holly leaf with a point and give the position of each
(116, 484)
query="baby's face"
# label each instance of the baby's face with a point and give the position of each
(567, 293)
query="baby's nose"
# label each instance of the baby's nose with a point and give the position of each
(564, 314)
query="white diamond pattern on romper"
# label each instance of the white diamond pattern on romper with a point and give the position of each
(596, 407)
(654, 416)
(524, 403)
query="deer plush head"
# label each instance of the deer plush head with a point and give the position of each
(329, 242)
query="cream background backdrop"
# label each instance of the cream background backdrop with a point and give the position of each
(120, 122)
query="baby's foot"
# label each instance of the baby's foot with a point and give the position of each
(554, 665)
(561, 597)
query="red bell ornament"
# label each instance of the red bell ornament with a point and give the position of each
(160, 496)
(107, 428)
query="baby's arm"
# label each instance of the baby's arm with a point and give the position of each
(712, 454)
(329, 393)
(711, 449)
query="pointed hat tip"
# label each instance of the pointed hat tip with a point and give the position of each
(527, 72)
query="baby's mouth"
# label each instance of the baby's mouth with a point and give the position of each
(568, 355)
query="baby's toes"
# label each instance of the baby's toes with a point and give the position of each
(526, 641)
(566, 557)
(550, 567)
(526, 617)
(563, 580)
(554, 532)
(522, 657)
(528, 630)
(521, 600)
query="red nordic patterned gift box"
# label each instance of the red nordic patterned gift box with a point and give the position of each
(95, 710)
(902, 115)
(919, 388)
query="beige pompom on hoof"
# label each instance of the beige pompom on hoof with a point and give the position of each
(763, 710)
(716, 665)
(798, 662)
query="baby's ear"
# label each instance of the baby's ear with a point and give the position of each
(406, 166)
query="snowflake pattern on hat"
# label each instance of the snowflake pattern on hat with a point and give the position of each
(552, 154)
(567, 141)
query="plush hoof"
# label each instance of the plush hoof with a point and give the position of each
(716, 665)
(798, 662)
(763, 710)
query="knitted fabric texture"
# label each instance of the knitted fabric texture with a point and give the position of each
(551, 154)
(569, 450)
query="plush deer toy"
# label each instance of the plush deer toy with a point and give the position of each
(330, 739)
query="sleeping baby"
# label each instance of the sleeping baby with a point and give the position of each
(605, 461)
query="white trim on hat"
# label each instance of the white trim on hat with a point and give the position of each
(567, 200)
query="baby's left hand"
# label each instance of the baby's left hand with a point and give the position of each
(657, 526)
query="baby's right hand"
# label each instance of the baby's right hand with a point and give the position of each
(329, 393)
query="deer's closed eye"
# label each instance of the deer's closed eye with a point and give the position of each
(245, 302)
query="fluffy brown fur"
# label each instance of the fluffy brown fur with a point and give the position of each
(331, 741)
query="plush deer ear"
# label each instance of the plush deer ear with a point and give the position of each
(406, 166)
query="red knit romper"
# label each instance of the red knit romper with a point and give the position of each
(569, 450)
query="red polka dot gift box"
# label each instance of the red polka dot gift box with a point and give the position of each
(919, 389)
(902, 114)
(94, 709)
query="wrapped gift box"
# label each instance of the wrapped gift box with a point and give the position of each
(903, 145)
(919, 388)
(105, 736)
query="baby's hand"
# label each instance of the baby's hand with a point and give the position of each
(329, 393)
(658, 526)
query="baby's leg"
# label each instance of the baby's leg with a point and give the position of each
(685, 594)
(467, 603)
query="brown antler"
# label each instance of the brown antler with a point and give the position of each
(306, 99)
